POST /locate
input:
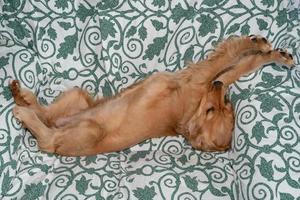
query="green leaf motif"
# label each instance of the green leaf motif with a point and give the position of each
(281, 18)
(143, 32)
(42, 32)
(292, 183)
(183, 159)
(82, 184)
(43, 101)
(6, 184)
(245, 29)
(44, 168)
(34, 191)
(268, 103)
(208, 25)
(6, 93)
(146, 193)
(67, 47)
(106, 90)
(3, 61)
(82, 13)
(11, 6)
(189, 53)
(63, 4)
(65, 25)
(211, 3)
(179, 13)
(191, 183)
(244, 94)
(293, 15)
(269, 80)
(38, 68)
(132, 30)
(157, 24)
(278, 117)
(20, 30)
(233, 28)
(16, 144)
(258, 132)
(138, 155)
(155, 48)
(266, 169)
(286, 196)
(297, 108)
(107, 28)
(107, 4)
(216, 192)
(268, 3)
(159, 3)
(262, 24)
(52, 33)
(90, 159)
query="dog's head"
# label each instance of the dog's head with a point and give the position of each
(210, 128)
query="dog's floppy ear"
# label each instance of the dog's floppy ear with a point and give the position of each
(209, 103)
(196, 121)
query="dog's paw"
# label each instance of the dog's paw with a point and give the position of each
(14, 87)
(260, 43)
(28, 97)
(283, 57)
(17, 112)
(22, 114)
(22, 97)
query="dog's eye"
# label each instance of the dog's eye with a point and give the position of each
(210, 110)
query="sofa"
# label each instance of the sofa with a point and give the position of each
(104, 47)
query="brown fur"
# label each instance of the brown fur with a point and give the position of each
(186, 102)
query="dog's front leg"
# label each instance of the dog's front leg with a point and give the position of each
(252, 62)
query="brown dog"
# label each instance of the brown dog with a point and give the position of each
(189, 102)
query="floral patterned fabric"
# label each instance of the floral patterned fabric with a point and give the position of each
(105, 46)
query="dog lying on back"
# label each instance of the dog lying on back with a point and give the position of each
(190, 102)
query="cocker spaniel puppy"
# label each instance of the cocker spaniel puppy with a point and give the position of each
(190, 102)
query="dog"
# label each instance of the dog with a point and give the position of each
(190, 102)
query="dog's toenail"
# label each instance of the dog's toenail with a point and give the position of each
(279, 49)
(282, 53)
(264, 40)
(254, 39)
(292, 66)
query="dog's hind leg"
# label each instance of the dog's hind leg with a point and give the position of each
(74, 139)
(69, 103)
(31, 121)
(78, 139)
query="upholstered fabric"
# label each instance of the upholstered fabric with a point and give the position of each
(105, 46)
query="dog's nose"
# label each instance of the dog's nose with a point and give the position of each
(218, 84)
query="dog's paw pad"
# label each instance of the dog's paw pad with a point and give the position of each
(260, 42)
(284, 57)
(17, 112)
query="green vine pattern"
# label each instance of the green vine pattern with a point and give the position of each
(105, 46)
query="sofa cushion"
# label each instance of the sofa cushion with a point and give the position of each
(105, 46)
